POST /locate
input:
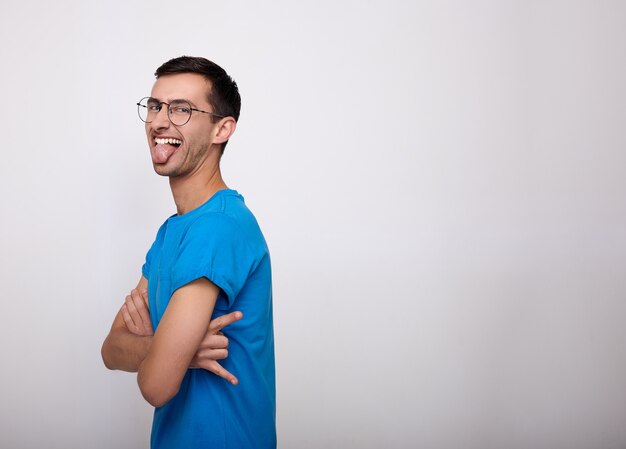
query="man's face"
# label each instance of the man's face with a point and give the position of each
(188, 151)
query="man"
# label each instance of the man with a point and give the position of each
(207, 260)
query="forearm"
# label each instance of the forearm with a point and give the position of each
(125, 351)
(180, 332)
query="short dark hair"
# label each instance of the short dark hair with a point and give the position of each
(224, 96)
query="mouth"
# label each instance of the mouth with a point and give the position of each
(167, 141)
(163, 149)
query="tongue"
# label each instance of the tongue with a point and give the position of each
(162, 152)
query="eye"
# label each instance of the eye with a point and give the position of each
(180, 110)
(154, 107)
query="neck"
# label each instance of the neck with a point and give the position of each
(194, 190)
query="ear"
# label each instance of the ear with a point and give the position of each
(225, 128)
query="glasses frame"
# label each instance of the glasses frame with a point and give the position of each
(169, 110)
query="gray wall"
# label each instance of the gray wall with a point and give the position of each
(441, 184)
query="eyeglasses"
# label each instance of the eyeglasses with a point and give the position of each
(178, 111)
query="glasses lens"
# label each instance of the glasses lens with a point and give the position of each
(143, 110)
(180, 112)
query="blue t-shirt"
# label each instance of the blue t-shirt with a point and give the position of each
(221, 241)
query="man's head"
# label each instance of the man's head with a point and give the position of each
(223, 95)
(212, 100)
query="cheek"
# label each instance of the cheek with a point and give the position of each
(197, 141)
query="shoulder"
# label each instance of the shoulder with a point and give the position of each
(229, 216)
(162, 229)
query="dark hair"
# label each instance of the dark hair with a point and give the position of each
(224, 95)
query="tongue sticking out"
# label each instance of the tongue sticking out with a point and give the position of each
(162, 152)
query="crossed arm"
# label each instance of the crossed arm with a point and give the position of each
(183, 339)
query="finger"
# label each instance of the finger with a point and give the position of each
(220, 322)
(128, 321)
(213, 354)
(220, 371)
(144, 296)
(140, 305)
(128, 300)
(132, 310)
(214, 342)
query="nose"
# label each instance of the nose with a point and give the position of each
(161, 119)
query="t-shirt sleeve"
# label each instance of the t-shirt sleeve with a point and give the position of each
(145, 269)
(216, 248)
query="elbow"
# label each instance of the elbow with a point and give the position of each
(156, 395)
(155, 401)
(152, 398)
(106, 357)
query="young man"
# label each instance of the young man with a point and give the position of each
(207, 260)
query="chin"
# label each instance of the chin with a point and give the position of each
(172, 172)
(162, 170)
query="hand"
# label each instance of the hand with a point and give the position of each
(136, 314)
(214, 347)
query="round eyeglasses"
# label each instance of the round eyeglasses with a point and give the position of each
(178, 111)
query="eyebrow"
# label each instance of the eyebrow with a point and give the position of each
(175, 100)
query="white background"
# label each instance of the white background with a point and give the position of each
(441, 185)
